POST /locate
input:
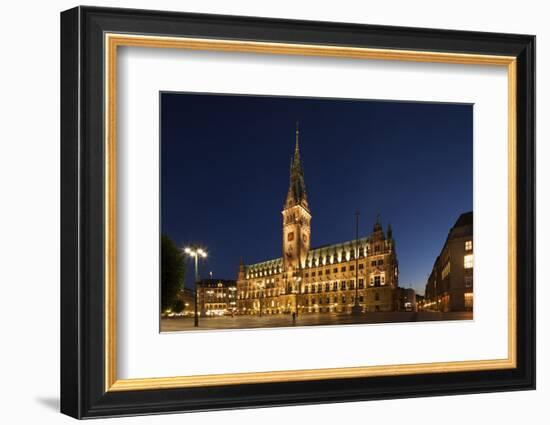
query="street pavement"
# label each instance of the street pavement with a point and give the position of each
(310, 319)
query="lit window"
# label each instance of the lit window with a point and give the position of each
(468, 245)
(469, 261)
(446, 270)
(468, 301)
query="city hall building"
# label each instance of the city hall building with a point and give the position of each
(325, 279)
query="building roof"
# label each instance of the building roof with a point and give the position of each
(313, 253)
(465, 219)
(215, 282)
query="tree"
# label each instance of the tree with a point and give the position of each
(172, 272)
(178, 306)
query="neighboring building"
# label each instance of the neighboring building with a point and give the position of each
(451, 282)
(407, 299)
(216, 297)
(323, 279)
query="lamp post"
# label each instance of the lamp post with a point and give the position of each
(196, 252)
(296, 291)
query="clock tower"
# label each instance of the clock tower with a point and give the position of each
(296, 216)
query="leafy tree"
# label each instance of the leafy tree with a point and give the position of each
(172, 271)
(178, 306)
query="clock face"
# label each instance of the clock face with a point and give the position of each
(289, 252)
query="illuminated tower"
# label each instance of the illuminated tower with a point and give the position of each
(296, 216)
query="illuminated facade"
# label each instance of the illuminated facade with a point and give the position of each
(323, 279)
(451, 283)
(216, 297)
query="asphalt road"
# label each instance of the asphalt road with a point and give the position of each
(312, 319)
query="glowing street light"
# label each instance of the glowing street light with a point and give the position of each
(196, 252)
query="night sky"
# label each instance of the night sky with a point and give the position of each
(225, 172)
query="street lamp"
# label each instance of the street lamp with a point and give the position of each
(196, 252)
(296, 291)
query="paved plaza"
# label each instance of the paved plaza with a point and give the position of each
(310, 319)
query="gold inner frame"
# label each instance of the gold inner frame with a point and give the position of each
(113, 41)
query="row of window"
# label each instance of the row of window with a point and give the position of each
(214, 297)
(323, 261)
(375, 281)
(342, 299)
(343, 285)
(211, 306)
(328, 300)
(344, 268)
(264, 294)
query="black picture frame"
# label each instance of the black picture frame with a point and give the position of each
(83, 392)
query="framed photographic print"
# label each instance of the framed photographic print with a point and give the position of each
(261, 212)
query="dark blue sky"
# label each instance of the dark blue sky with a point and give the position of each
(225, 171)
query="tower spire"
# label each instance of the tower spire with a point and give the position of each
(296, 160)
(377, 224)
(297, 189)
